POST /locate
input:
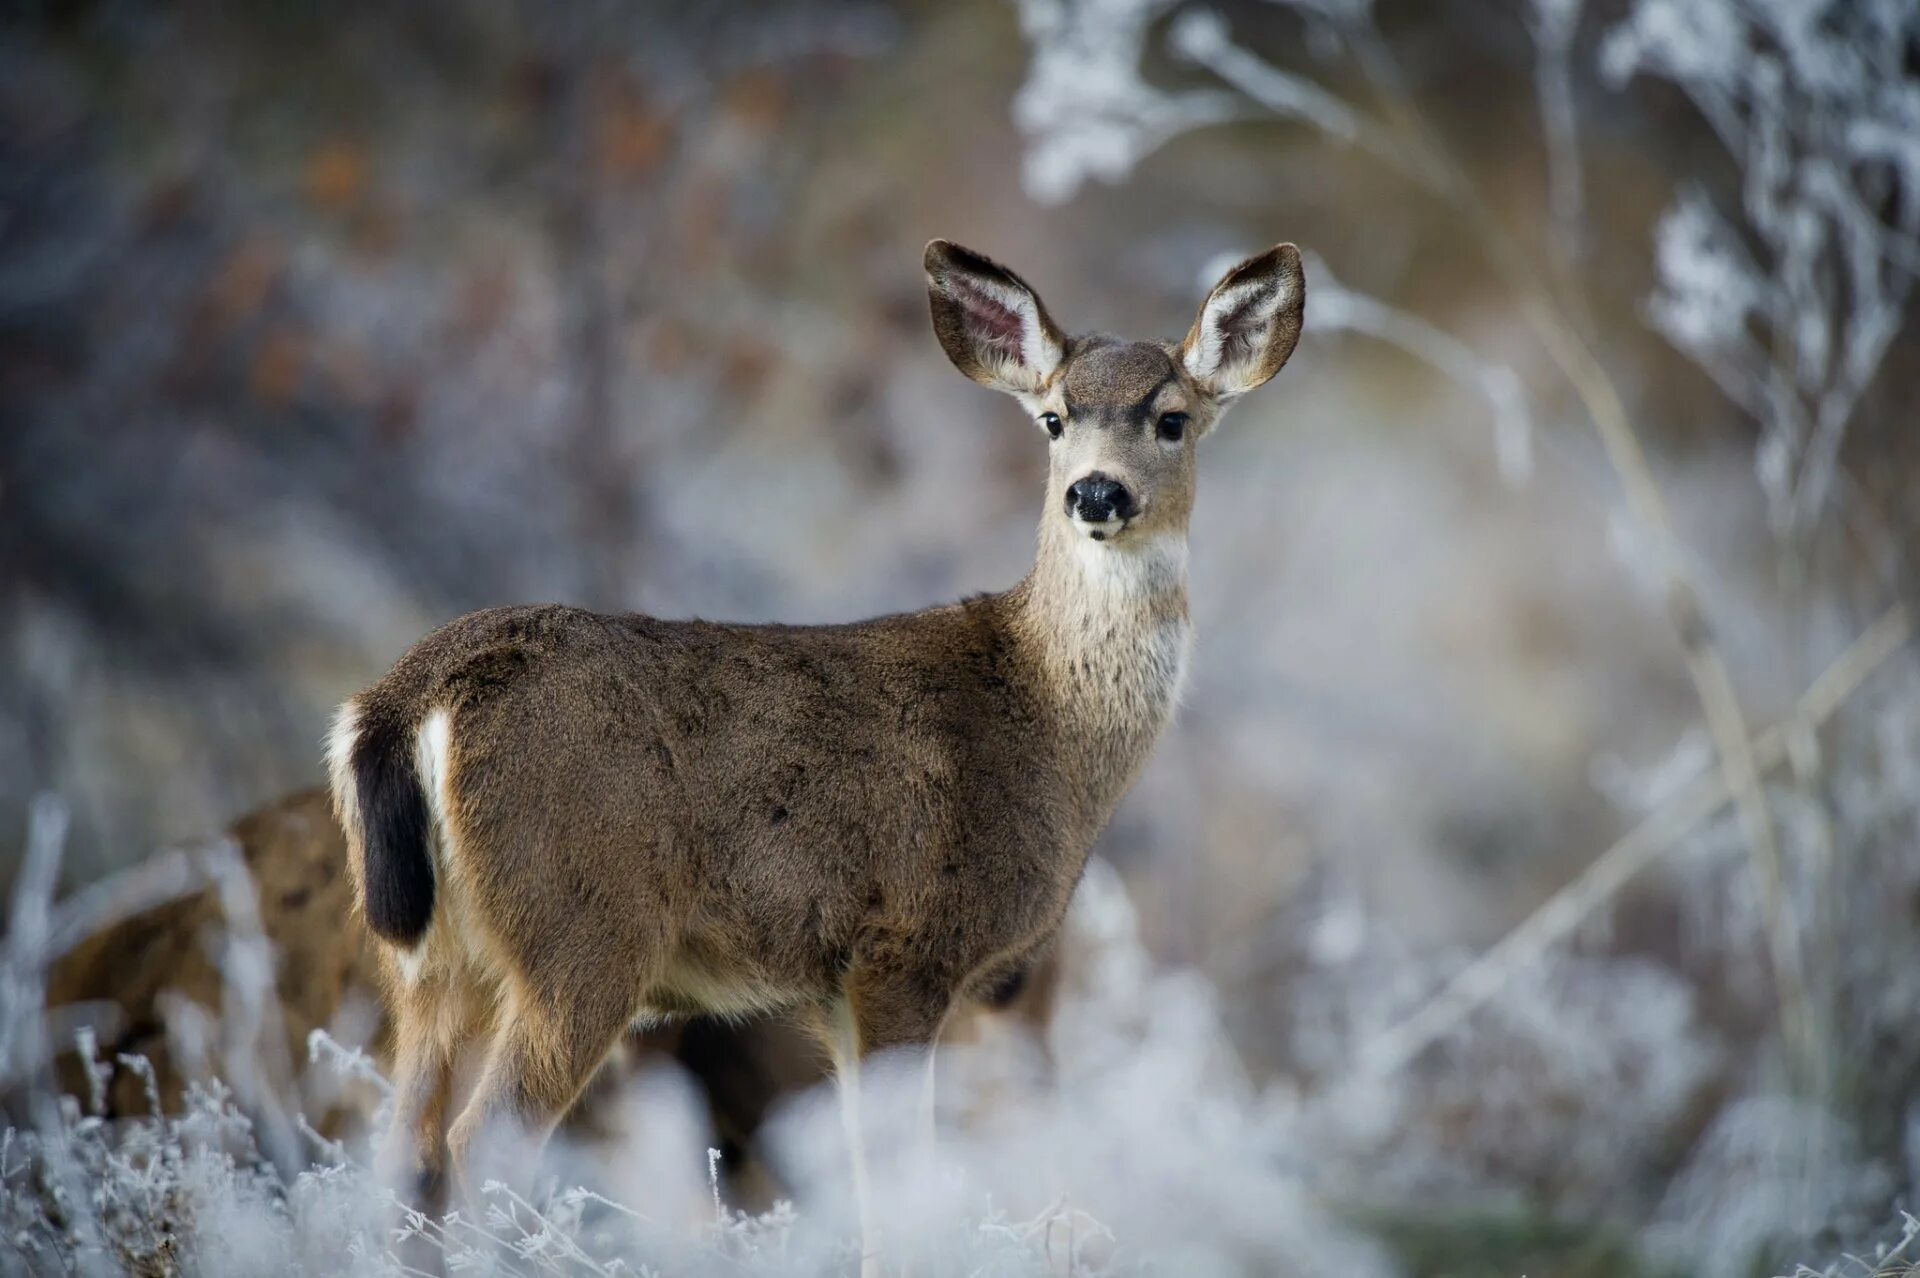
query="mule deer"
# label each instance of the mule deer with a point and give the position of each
(323, 960)
(135, 974)
(561, 822)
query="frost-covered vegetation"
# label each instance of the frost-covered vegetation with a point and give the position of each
(1152, 1124)
(1784, 270)
(1529, 885)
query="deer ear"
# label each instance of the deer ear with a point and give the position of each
(1248, 324)
(992, 325)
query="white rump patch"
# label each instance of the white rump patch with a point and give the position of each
(340, 742)
(430, 762)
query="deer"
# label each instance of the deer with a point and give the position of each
(128, 977)
(563, 822)
(324, 964)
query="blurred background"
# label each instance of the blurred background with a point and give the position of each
(323, 324)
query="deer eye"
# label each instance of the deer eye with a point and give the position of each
(1053, 424)
(1173, 425)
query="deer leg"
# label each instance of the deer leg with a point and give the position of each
(926, 1127)
(877, 1011)
(843, 1046)
(412, 1157)
(544, 1051)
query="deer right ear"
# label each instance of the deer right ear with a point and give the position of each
(991, 324)
(1248, 325)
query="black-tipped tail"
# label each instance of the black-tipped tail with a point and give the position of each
(398, 867)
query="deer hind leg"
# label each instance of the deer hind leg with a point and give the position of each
(429, 1024)
(544, 1051)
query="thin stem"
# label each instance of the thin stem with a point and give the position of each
(1476, 983)
(1706, 665)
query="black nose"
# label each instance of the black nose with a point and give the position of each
(1097, 499)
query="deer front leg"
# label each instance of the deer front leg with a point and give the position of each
(877, 1011)
(843, 1045)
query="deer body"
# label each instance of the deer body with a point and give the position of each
(561, 822)
(753, 810)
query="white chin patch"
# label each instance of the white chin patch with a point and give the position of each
(1105, 530)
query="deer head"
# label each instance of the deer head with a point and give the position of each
(1123, 418)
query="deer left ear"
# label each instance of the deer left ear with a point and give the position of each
(1248, 325)
(990, 322)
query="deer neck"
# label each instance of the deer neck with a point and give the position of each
(1105, 627)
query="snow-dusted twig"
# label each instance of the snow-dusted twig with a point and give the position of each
(254, 1038)
(1553, 24)
(1402, 134)
(347, 1062)
(23, 962)
(163, 877)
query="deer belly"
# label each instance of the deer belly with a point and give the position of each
(695, 987)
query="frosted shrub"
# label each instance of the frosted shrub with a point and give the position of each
(1154, 1154)
(1768, 1033)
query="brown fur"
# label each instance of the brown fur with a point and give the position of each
(296, 856)
(324, 957)
(633, 818)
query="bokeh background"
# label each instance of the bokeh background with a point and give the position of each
(320, 325)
